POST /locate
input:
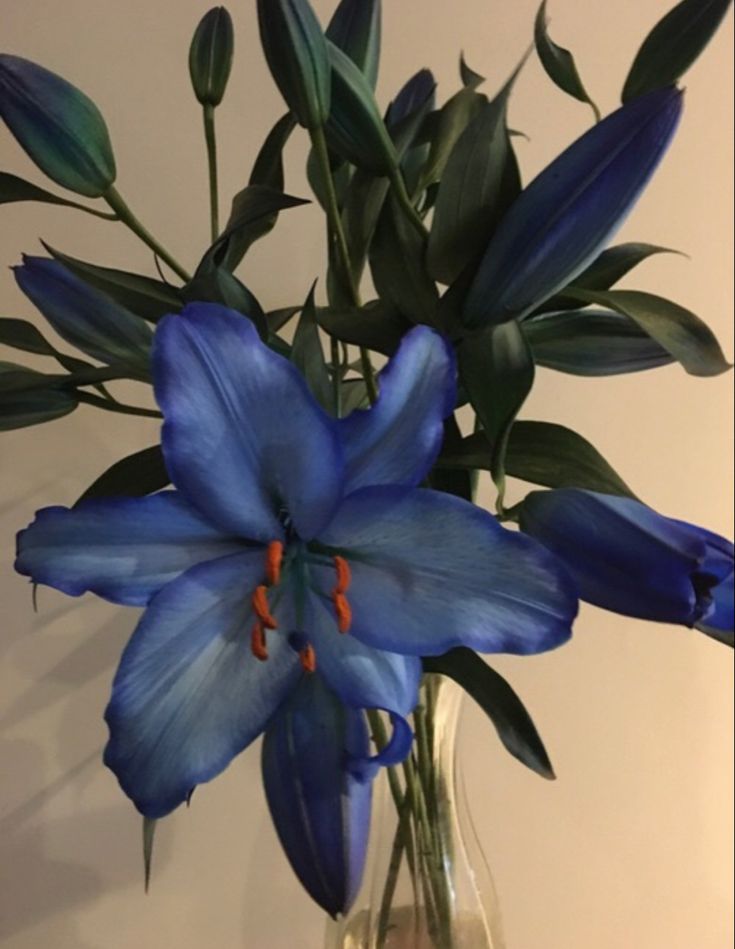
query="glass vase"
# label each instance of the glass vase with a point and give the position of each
(427, 884)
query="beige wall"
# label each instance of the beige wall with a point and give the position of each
(631, 848)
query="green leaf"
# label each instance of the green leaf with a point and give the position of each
(253, 214)
(497, 371)
(132, 477)
(148, 298)
(457, 479)
(355, 28)
(473, 193)
(559, 63)
(592, 343)
(500, 703)
(398, 266)
(14, 189)
(29, 398)
(451, 120)
(355, 128)
(296, 51)
(210, 56)
(604, 272)
(679, 331)
(469, 77)
(268, 165)
(212, 283)
(20, 334)
(377, 325)
(149, 832)
(673, 45)
(542, 453)
(308, 356)
(277, 319)
(354, 395)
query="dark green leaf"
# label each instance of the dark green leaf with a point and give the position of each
(268, 165)
(254, 212)
(144, 296)
(277, 319)
(457, 479)
(673, 45)
(133, 477)
(542, 453)
(14, 189)
(20, 334)
(398, 266)
(559, 63)
(679, 331)
(296, 51)
(592, 343)
(472, 194)
(210, 56)
(469, 77)
(308, 356)
(497, 371)
(212, 283)
(499, 702)
(29, 398)
(451, 120)
(355, 29)
(604, 272)
(149, 831)
(376, 326)
(355, 129)
(354, 395)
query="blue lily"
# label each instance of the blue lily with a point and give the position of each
(86, 317)
(625, 557)
(294, 545)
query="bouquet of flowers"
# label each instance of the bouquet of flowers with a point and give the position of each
(305, 539)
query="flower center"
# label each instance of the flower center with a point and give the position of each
(264, 619)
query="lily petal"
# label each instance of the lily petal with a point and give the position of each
(321, 812)
(397, 440)
(431, 571)
(243, 438)
(189, 695)
(122, 549)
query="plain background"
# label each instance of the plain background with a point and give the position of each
(631, 847)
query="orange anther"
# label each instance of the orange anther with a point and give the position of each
(343, 610)
(260, 606)
(344, 575)
(257, 643)
(307, 655)
(273, 559)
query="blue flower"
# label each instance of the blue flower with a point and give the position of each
(293, 544)
(625, 557)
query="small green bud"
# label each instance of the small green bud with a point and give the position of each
(210, 56)
(60, 128)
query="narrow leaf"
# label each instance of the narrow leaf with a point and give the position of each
(377, 325)
(451, 120)
(149, 832)
(253, 214)
(559, 63)
(308, 356)
(132, 477)
(673, 45)
(355, 28)
(500, 703)
(29, 398)
(679, 331)
(592, 343)
(468, 76)
(497, 371)
(14, 189)
(268, 165)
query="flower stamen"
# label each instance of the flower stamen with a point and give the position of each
(344, 575)
(273, 561)
(257, 643)
(343, 610)
(307, 657)
(261, 609)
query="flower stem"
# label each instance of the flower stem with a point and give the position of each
(402, 197)
(211, 140)
(118, 205)
(337, 235)
(119, 407)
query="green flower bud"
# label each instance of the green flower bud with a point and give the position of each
(61, 129)
(296, 52)
(210, 56)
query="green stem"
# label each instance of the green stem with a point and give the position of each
(119, 407)
(93, 211)
(118, 205)
(211, 140)
(402, 197)
(337, 234)
(336, 377)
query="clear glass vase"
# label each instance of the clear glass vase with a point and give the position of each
(427, 884)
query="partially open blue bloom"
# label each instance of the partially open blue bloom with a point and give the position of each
(625, 557)
(295, 545)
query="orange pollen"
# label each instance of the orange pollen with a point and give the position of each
(344, 575)
(343, 610)
(257, 643)
(273, 560)
(260, 607)
(307, 655)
